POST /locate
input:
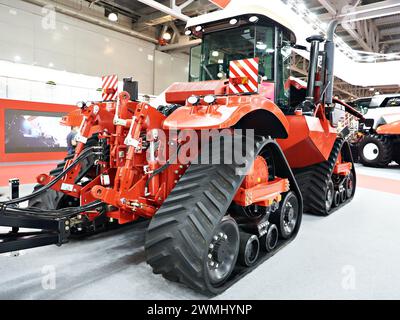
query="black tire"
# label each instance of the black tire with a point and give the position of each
(376, 151)
(286, 217)
(48, 200)
(396, 153)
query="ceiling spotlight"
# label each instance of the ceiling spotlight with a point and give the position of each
(199, 28)
(17, 58)
(188, 32)
(167, 36)
(253, 19)
(233, 21)
(112, 16)
(51, 65)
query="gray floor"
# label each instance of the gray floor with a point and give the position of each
(352, 254)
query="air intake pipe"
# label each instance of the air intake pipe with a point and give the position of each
(312, 70)
(330, 60)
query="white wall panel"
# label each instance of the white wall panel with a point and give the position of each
(168, 69)
(80, 48)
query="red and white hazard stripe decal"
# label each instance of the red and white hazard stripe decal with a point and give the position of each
(110, 88)
(243, 76)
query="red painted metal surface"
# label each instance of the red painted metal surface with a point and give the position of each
(389, 129)
(225, 113)
(180, 91)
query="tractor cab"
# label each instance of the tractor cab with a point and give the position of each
(255, 37)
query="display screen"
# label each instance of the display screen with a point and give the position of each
(34, 131)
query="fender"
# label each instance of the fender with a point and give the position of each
(389, 129)
(242, 112)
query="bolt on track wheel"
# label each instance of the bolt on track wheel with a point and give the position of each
(286, 216)
(329, 195)
(223, 251)
(349, 185)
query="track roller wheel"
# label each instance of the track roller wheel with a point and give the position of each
(249, 249)
(286, 216)
(343, 196)
(329, 195)
(270, 240)
(336, 199)
(349, 185)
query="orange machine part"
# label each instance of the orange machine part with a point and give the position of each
(390, 128)
(310, 140)
(72, 119)
(257, 174)
(225, 113)
(180, 91)
(256, 189)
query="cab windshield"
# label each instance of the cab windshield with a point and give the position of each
(219, 48)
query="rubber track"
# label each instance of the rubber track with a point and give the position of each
(313, 181)
(179, 233)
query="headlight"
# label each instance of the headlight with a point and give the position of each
(193, 100)
(210, 99)
(81, 105)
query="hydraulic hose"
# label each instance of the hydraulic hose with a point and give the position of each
(162, 168)
(85, 154)
(62, 213)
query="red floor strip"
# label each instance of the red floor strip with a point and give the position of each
(379, 184)
(26, 173)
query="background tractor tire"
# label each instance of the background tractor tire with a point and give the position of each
(376, 151)
(396, 153)
(51, 199)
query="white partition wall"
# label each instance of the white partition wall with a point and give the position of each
(78, 48)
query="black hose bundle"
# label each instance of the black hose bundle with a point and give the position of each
(85, 154)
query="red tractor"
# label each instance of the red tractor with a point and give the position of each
(224, 170)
